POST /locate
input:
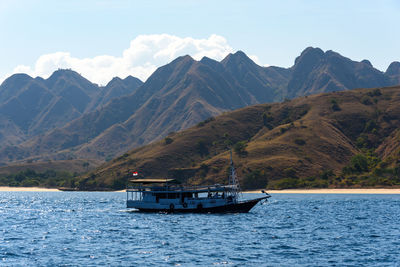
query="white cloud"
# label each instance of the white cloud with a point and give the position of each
(144, 55)
(257, 61)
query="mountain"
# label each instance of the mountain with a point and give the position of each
(118, 87)
(338, 139)
(315, 72)
(9, 132)
(176, 96)
(32, 106)
(393, 72)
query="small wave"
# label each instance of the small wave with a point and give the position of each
(284, 247)
(285, 232)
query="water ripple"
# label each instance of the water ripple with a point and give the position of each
(76, 228)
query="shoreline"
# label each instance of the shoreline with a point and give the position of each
(332, 191)
(283, 191)
(27, 189)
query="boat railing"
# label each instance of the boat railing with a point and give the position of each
(180, 188)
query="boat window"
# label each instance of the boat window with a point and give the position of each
(160, 195)
(187, 195)
(173, 196)
(202, 195)
(166, 196)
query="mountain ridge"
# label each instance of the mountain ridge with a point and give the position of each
(37, 105)
(182, 93)
(314, 141)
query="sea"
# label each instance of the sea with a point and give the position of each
(95, 229)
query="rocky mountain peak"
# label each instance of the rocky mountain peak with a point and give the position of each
(130, 79)
(309, 56)
(68, 76)
(367, 62)
(393, 69)
(182, 59)
(67, 73)
(114, 81)
(237, 58)
(19, 78)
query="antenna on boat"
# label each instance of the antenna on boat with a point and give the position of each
(233, 181)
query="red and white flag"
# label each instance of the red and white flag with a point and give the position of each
(135, 173)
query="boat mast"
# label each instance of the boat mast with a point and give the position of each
(233, 181)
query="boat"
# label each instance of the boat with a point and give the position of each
(169, 195)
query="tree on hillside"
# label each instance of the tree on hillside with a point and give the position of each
(240, 148)
(202, 148)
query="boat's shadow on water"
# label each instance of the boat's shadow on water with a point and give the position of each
(256, 211)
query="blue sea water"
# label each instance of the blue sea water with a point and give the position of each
(92, 229)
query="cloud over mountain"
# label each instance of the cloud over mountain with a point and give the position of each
(144, 55)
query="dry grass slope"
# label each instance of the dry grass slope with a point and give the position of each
(275, 144)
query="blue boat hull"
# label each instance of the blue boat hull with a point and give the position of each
(240, 207)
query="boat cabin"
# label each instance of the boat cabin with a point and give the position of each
(170, 194)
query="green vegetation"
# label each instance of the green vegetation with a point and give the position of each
(369, 137)
(255, 179)
(299, 141)
(370, 126)
(49, 178)
(358, 164)
(366, 100)
(335, 105)
(290, 172)
(267, 119)
(85, 165)
(168, 140)
(124, 156)
(240, 148)
(363, 170)
(227, 140)
(203, 170)
(202, 123)
(375, 92)
(118, 184)
(201, 148)
(368, 169)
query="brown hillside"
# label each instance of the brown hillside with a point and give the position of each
(292, 140)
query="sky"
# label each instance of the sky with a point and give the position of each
(102, 39)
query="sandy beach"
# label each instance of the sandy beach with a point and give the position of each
(27, 189)
(285, 191)
(333, 191)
